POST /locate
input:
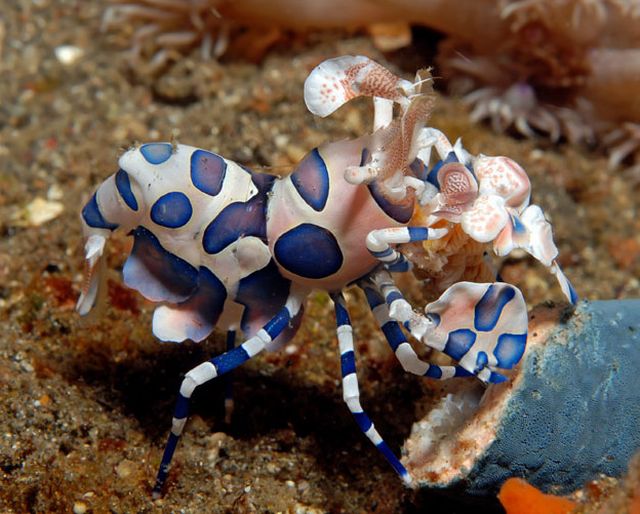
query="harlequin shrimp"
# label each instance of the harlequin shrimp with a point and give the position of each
(218, 245)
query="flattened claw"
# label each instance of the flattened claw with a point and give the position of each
(94, 248)
(336, 81)
(481, 326)
(503, 177)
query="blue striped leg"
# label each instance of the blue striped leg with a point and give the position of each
(401, 348)
(378, 242)
(351, 391)
(213, 368)
(228, 381)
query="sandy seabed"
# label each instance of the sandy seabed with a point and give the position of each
(86, 404)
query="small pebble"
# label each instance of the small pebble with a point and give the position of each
(79, 508)
(37, 212)
(68, 54)
(125, 469)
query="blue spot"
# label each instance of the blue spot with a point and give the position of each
(263, 293)
(237, 220)
(459, 342)
(433, 174)
(263, 181)
(124, 188)
(435, 317)
(172, 210)
(489, 308)
(482, 360)
(311, 180)
(156, 153)
(509, 349)
(496, 378)
(400, 212)
(156, 273)
(419, 169)
(347, 363)
(309, 251)
(93, 217)
(518, 227)
(207, 171)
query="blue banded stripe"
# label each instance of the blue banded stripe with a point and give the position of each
(572, 293)
(163, 471)
(123, 184)
(461, 372)
(278, 323)
(399, 266)
(347, 363)
(382, 254)
(373, 298)
(391, 458)
(342, 316)
(394, 334)
(392, 296)
(418, 233)
(230, 360)
(182, 407)
(398, 258)
(434, 371)
(363, 421)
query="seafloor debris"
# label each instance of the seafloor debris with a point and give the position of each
(37, 212)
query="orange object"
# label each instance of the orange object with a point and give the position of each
(634, 504)
(518, 497)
